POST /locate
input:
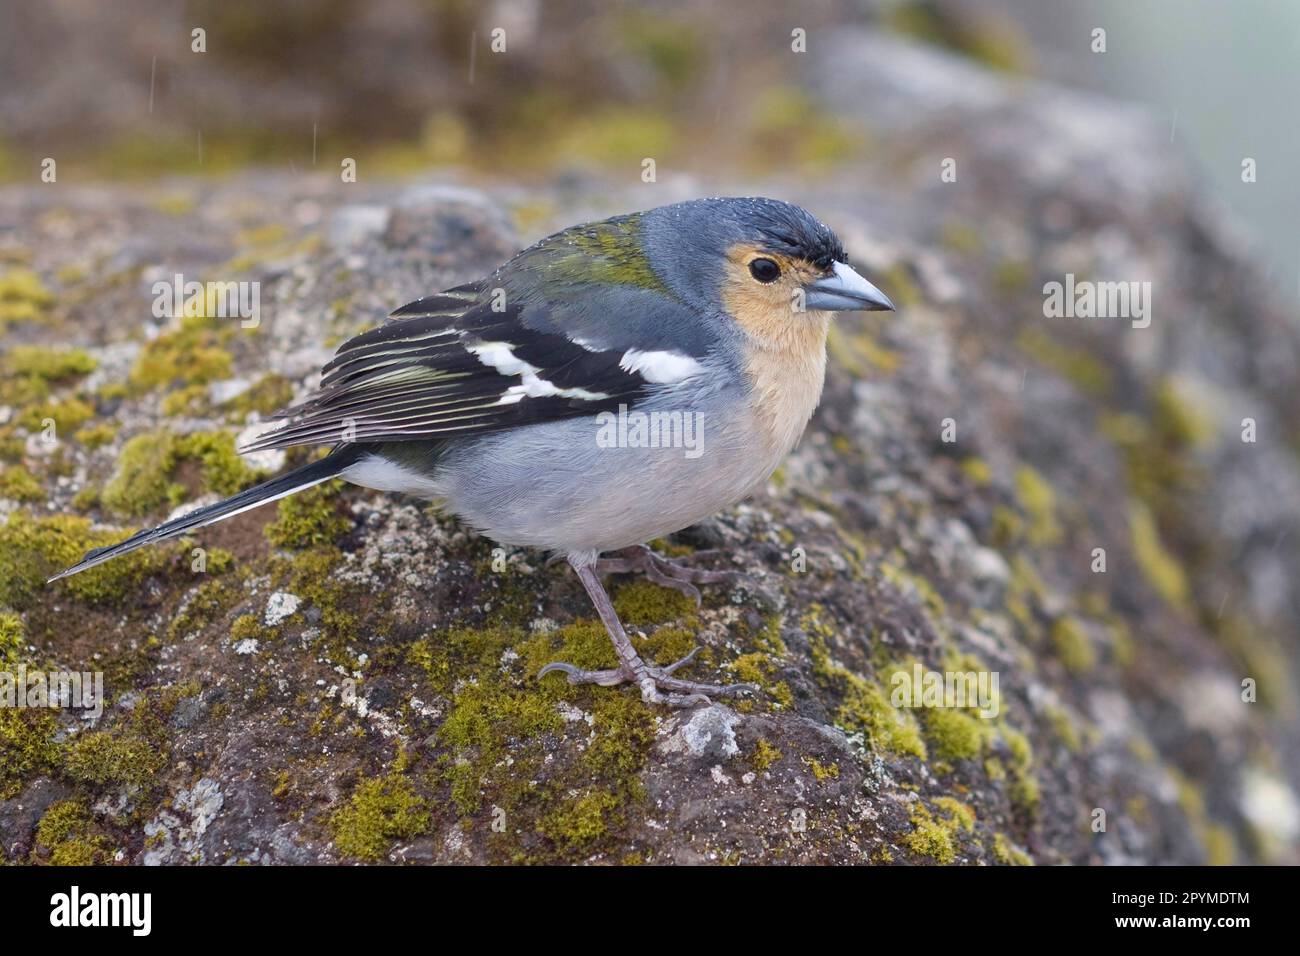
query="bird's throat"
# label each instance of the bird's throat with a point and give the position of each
(786, 375)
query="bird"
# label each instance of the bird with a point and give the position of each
(614, 383)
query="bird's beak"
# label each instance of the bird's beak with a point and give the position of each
(845, 291)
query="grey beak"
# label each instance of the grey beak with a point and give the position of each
(845, 291)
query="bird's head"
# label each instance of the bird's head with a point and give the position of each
(768, 264)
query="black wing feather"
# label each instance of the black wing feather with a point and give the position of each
(418, 376)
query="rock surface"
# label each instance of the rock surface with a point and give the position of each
(352, 677)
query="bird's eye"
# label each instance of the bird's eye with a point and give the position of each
(764, 270)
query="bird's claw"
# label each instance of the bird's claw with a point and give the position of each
(675, 573)
(657, 684)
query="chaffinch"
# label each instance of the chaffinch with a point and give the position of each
(614, 383)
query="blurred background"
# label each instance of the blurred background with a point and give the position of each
(403, 86)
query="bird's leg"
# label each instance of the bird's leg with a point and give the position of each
(675, 573)
(657, 684)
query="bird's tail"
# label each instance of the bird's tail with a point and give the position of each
(281, 487)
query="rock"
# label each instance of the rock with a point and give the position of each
(708, 733)
(221, 392)
(268, 459)
(279, 606)
(352, 225)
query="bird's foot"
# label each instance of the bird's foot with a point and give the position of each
(675, 573)
(657, 684)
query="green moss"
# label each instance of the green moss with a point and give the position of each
(1074, 364)
(1025, 593)
(785, 121)
(977, 470)
(1038, 500)
(67, 415)
(1220, 845)
(864, 706)
(937, 838)
(50, 365)
(609, 134)
(32, 549)
(624, 731)
(65, 837)
(858, 351)
(866, 709)
(1122, 646)
(176, 204)
(113, 757)
(268, 394)
(311, 576)
(379, 812)
(994, 40)
(26, 747)
(958, 813)
(1024, 790)
(676, 53)
(17, 484)
(146, 470)
(1160, 568)
(952, 733)
(641, 602)
(1217, 841)
(13, 639)
(761, 668)
(764, 755)
(308, 519)
(246, 626)
(498, 733)
(1073, 645)
(578, 823)
(961, 237)
(1176, 420)
(212, 599)
(1261, 652)
(142, 482)
(903, 288)
(1007, 853)
(191, 354)
(60, 820)
(480, 717)
(191, 400)
(223, 470)
(97, 435)
(1159, 450)
(23, 297)
(823, 771)
(1012, 276)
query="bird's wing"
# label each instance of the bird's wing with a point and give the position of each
(464, 362)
